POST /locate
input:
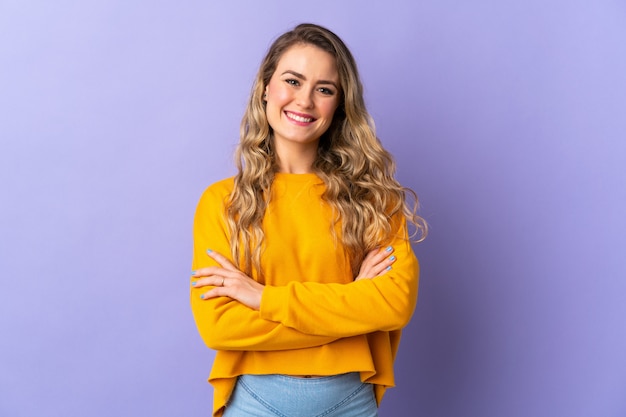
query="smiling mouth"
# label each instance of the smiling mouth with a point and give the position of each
(298, 118)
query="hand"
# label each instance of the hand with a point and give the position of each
(376, 263)
(228, 281)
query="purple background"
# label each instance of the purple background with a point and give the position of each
(507, 118)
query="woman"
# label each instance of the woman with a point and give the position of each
(304, 272)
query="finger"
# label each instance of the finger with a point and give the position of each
(386, 251)
(221, 259)
(372, 258)
(214, 292)
(212, 281)
(378, 269)
(376, 263)
(379, 255)
(371, 254)
(218, 279)
(384, 266)
(208, 271)
(212, 270)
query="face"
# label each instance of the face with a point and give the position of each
(302, 96)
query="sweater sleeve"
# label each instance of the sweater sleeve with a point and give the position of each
(223, 323)
(341, 310)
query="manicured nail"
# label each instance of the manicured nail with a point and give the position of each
(389, 249)
(388, 268)
(393, 258)
(209, 250)
(202, 296)
(193, 283)
(193, 272)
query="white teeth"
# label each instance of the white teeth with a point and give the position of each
(299, 118)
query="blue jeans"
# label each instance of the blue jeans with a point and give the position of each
(286, 396)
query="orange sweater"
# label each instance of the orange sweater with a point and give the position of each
(314, 319)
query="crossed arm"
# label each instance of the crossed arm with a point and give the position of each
(226, 280)
(234, 312)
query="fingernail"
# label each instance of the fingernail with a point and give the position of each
(389, 249)
(388, 268)
(393, 258)
(209, 250)
(193, 284)
(202, 296)
(193, 272)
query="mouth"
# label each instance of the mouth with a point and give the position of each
(300, 118)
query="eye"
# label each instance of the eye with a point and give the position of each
(292, 81)
(326, 91)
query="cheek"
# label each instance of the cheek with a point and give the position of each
(277, 93)
(328, 109)
(281, 96)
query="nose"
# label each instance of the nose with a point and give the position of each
(304, 99)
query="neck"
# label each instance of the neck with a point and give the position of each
(296, 159)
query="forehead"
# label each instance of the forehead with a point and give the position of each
(310, 61)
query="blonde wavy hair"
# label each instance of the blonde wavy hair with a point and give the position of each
(357, 171)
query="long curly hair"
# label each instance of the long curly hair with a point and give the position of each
(357, 171)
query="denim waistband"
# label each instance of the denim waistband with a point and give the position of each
(288, 396)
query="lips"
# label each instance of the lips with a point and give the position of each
(299, 117)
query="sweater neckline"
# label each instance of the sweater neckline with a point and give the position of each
(288, 177)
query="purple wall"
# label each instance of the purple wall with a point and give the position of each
(508, 118)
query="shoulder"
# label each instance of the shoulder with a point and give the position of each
(216, 193)
(222, 186)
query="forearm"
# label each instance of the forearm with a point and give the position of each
(383, 303)
(226, 324)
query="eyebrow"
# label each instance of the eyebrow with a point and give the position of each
(302, 77)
